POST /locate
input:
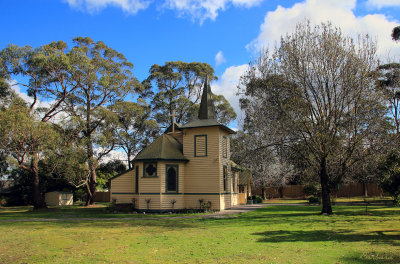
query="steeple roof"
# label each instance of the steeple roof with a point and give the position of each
(207, 109)
(207, 116)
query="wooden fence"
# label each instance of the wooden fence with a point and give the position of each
(102, 197)
(296, 191)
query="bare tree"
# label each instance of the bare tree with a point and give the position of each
(316, 89)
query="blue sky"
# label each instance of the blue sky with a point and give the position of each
(224, 33)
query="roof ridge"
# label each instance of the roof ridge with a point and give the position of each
(162, 147)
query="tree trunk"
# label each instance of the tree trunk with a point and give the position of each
(280, 191)
(326, 198)
(263, 192)
(129, 159)
(38, 201)
(92, 182)
(91, 186)
(365, 186)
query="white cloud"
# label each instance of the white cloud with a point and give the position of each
(113, 155)
(227, 86)
(206, 9)
(383, 3)
(196, 9)
(340, 13)
(21, 94)
(219, 58)
(39, 103)
(129, 6)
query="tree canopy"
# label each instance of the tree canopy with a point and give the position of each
(179, 87)
(316, 89)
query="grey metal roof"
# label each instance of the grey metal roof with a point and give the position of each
(206, 123)
(165, 147)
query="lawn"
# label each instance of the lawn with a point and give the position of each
(340, 200)
(99, 210)
(274, 234)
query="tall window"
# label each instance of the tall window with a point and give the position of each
(225, 174)
(200, 145)
(137, 180)
(233, 182)
(171, 181)
(224, 147)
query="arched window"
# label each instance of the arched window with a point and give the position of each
(171, 184)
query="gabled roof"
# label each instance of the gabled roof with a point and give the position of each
(165, 147)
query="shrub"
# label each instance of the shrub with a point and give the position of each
(314, 199)
(310, 190)
(390, 176)
(259, 199)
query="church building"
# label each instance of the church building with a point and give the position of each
(187, 167)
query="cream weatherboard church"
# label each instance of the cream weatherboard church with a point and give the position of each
(187, 167)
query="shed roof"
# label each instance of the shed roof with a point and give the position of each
(165, 147)
(236, 167)
(245, 177)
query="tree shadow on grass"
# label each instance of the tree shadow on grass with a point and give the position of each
(390, 237)
(372, 258)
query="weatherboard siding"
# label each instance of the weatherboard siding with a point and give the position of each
(202, 173)
(150, 184)
(225, 161)
(154, 202)
(199, 179)
(192, 201)
(123, 187)
(166, 202)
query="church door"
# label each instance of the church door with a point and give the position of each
(171, 181)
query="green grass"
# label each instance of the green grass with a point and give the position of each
(75, 211)
(274, 234)
(286, 201)
(340, 200)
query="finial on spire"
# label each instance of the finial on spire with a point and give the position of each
(207, 110)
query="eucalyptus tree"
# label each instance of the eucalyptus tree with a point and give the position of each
(389, 84)
(44, 73)
(26, 140)
(103, 77)
(224, 112)
(178, 88)
(316, 89)
(135, 128)
(83, 82)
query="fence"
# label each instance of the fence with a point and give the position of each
(296, 191)
(102, 197)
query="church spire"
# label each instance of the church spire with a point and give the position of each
(207, 110)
